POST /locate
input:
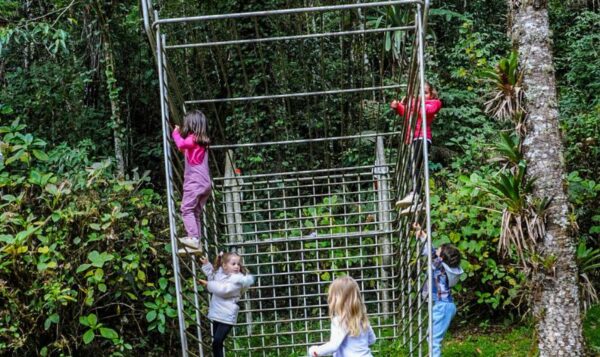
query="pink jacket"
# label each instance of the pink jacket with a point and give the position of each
(194, 153)
(432, 106)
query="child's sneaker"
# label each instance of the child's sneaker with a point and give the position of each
(412, 209)
(407, 200)
(185, 250)
(191, 242)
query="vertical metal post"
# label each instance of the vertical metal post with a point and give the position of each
(169, 174)
(421, 39)
(381, 173)
(233, 216)
(233, 199)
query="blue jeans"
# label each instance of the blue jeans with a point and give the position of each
(441, 314)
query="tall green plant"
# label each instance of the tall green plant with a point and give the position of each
(522, 219)
(506, 99)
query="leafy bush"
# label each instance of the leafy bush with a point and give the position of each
(81, 268)
(491, 283)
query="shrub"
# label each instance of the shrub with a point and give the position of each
(81, 268)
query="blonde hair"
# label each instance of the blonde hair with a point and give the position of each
(346, 303)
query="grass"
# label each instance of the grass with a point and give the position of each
(501, 342)
(516, 341)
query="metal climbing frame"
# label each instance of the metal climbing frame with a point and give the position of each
(307, 69)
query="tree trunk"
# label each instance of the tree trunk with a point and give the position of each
(556, 306)
(113, 91)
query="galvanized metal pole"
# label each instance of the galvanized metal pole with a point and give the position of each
(169, 174)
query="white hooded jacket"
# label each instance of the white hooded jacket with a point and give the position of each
(226, 291)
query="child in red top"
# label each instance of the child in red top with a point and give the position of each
(193, 141)
(415, 139)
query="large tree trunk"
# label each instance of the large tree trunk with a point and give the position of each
(556, 306)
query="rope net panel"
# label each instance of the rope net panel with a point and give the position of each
(307, 163)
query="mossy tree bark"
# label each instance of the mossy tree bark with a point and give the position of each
(556, 301)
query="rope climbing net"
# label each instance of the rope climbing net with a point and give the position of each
(307, 162)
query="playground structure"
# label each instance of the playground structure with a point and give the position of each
(300, 224)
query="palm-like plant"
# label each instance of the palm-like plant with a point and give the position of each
(509, 150)
(523, 219)
(395, 41)
(506, 102)
(588, 260)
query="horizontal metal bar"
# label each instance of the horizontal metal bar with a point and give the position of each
(275, 298)
(244, 186)
(248, 186)
(289, 321)
(297, 174)
(307, 238)
(287, 38)
(300, 219)
(317, 250)
(302, 141)
(293, 95)
(282, 238)
(321, 270)
(312, 199)
(282, 12)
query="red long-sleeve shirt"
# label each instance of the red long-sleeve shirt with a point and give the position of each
(432, 106)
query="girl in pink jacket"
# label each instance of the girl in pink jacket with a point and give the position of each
(415, 139)
(193, 141)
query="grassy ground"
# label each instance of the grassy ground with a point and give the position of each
(511, 341)
(499, 342)
(514, 342)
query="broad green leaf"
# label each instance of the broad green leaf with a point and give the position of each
(40, 155)
(162, 282)
(54, 318)
(88, 336)
(83, 267)
(108, 333)
(151, 315)
(92, 319)
(98, 274)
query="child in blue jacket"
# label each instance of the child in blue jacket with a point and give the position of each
(446, 271)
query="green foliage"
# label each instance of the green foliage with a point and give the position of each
(507, 98)
(588, 261)
(80, 267)
(579, 64)
(395, 41)
(459, 218)
(591, 329)
(511, 188)
(508, 150)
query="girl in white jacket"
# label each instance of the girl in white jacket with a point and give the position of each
(351, 333)
(226, 284)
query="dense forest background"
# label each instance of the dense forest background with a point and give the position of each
(84, 256)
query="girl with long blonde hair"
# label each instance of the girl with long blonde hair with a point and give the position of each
(351, 333)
